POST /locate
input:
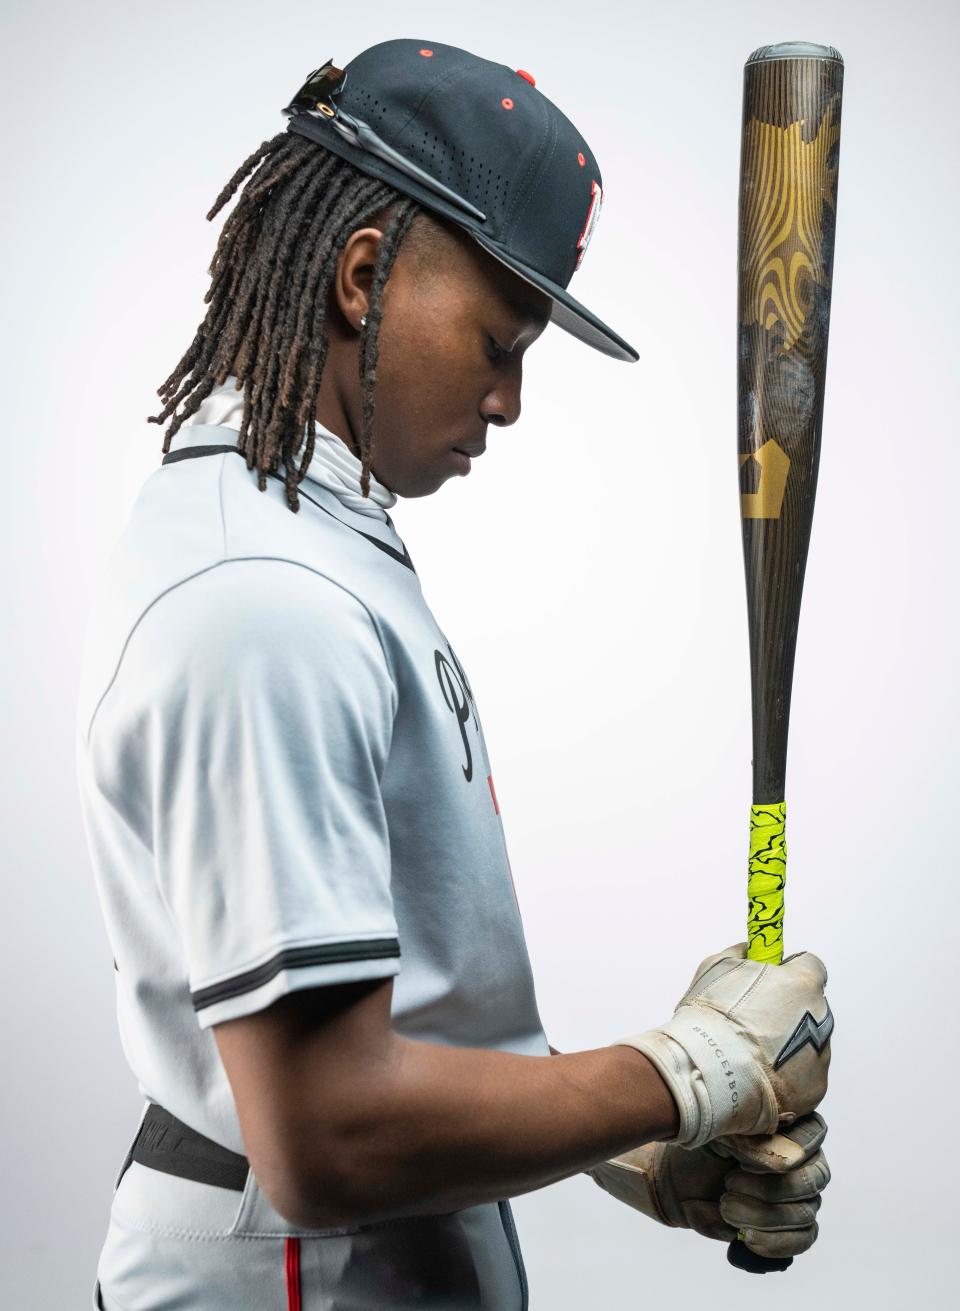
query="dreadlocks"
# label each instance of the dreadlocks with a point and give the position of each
(271, 274)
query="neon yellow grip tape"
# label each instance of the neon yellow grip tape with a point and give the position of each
(767, 875)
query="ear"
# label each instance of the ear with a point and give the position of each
(354, 275)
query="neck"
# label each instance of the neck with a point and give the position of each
(338, 403)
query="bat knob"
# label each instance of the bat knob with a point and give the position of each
(743, 1258)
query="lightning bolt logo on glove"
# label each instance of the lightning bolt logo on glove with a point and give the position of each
(808, 1030)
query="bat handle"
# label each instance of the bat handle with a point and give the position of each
(743, 1258)
(767, 876)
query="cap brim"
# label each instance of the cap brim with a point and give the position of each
(567, 313)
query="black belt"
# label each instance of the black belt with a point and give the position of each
(165, 1143)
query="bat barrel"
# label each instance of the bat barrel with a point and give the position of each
(788, 175)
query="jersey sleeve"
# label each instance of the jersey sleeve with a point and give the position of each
(261, 702)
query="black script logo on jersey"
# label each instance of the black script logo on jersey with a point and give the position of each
(459, 698)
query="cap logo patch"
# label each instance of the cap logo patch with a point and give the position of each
(593, 213)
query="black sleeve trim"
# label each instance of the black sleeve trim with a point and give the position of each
(294, 958)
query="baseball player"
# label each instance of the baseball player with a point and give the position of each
(322, 983)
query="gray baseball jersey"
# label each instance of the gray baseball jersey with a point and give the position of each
(284, 783)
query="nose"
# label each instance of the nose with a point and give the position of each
(502, 405)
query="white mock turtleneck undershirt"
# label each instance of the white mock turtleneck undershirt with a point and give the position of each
(333, 465)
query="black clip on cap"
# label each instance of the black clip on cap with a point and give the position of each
(477, 143)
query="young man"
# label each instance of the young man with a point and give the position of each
(322, 982)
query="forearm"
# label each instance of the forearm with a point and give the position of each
(448, 1127)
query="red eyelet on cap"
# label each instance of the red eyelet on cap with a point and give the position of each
(507, 102)
(580, 159)
(522, 72)
(427, 54)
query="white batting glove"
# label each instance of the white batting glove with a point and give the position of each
(719, 1195)
(747, 1048)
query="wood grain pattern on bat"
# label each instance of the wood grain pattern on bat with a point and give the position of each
(788, 181)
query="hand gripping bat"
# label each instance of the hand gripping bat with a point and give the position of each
(788, 193)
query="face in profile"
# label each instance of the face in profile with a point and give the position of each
(456, 324)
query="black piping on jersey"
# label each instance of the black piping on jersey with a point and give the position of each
(293, 958)
(192, 453)
(506, 1216)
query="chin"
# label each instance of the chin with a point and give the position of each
(423, 490)
(422, 483)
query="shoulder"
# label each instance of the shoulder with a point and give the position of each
(251, 629)
(264, 601)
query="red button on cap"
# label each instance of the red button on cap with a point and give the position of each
(529, 76)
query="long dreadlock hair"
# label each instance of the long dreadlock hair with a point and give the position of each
(270, 278)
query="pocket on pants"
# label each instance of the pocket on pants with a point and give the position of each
(169, 1245)
(142, 1271)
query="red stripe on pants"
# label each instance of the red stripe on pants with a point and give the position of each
(293, 1274)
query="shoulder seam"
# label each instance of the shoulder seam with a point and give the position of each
(239, 559)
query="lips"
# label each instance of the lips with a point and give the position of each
(476, 449)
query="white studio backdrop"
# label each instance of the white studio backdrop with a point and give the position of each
(589, 573)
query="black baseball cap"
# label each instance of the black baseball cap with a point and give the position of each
(477, 143)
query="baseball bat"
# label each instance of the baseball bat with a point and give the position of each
(787, 214)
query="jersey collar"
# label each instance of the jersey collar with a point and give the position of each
(194, 440)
